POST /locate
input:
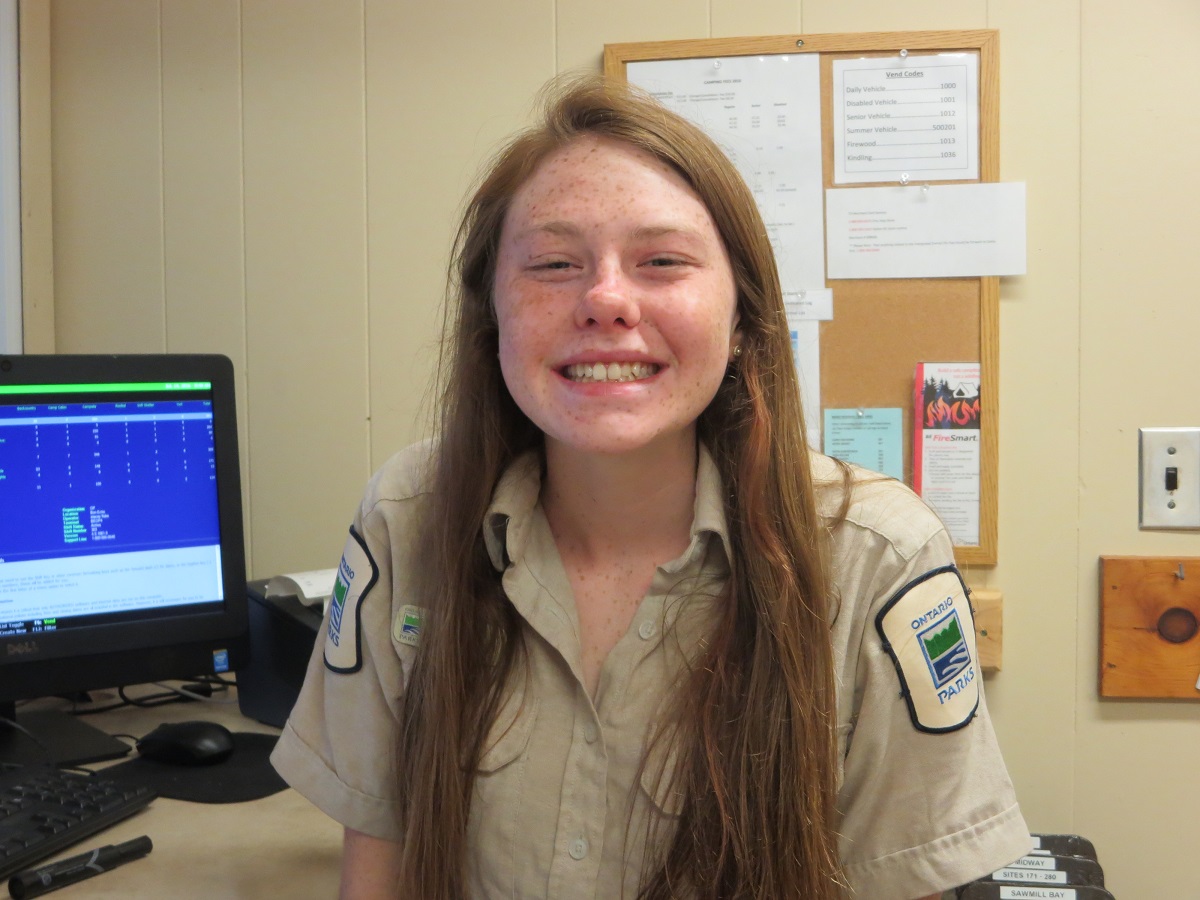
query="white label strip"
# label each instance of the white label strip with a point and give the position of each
(1036, 893)
(1035, 862)
(1037, 876)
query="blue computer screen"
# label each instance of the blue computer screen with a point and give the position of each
(108, 508)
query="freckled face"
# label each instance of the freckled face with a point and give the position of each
(615, 300)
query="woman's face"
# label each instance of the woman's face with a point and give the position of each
(615, 300)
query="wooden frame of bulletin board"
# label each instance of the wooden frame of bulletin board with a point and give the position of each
(882, 328)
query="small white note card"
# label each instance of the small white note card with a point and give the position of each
(816, 305)
(926, 231)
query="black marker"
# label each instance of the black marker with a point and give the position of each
(35, 882)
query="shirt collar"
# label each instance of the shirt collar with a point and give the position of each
(507, 522)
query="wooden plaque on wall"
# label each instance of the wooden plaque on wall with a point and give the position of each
(882, 328)
(1150, 627)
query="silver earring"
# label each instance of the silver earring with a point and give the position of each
(737, 351)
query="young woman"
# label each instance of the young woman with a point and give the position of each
(617, 631)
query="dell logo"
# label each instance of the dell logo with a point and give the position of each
(22, 649)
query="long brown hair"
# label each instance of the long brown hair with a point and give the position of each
(757, 763)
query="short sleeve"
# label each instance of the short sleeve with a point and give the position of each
(338, 745)
(926, 803)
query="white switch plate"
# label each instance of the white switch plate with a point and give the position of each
(1158, 450)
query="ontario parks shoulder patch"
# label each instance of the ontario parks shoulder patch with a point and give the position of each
(356, 575)
(929, 631)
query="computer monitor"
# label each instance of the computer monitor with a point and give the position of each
(121, 550)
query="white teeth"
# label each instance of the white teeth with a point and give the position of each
(600, 372)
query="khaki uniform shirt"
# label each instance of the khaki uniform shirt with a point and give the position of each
(557, 812)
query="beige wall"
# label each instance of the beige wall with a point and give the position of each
(277, 181)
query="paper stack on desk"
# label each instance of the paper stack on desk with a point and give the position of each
(310, 588)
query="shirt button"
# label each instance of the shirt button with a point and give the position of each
(578, 848)
(590, 733)
(646, 630)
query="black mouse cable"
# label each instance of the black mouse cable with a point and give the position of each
(13, 723)
(149, 701)
(223, 681)
(190, 692)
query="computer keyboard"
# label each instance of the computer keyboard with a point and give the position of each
(43, 810)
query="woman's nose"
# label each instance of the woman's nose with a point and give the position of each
(609, 300)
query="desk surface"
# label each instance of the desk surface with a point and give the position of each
(280, 846)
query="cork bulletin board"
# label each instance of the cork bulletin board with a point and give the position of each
(882, 328)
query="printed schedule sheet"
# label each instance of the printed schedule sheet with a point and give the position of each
(765, 113)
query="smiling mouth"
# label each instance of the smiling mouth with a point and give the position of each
(591, 373)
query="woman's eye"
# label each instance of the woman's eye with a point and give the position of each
(665, 261)
(553, 265)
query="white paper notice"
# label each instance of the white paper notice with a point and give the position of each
(915, 116)
(934, 231)
(765, 113)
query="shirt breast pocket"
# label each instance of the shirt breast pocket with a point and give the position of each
(497, 803)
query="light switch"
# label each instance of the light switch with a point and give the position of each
(1169, 488)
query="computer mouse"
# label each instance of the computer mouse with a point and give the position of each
(187, 743)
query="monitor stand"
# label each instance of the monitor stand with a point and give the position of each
(58, 739)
